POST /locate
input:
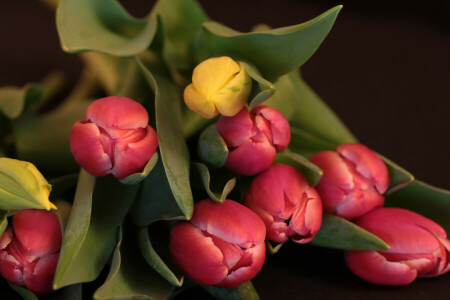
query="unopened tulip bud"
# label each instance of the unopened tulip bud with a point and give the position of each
(219, 85)
(29, 250)
(353, 182)
(289, 207)
(222, 245)
(253, 138)
(115, 138)
(22, 186)
(418, 248)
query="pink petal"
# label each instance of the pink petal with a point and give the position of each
(373, 267)
(237, 129)
(117, 112)
(7, 237)
(232, 253)
(196, 255)
(230, 221)
(443, 259)
(87, 148)
(132, 153)
(251, 158)
(10, 268)
(358, 203)
(281, 133)
(367, 163)
(38, 276)
(38, 231)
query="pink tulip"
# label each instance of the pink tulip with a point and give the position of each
(115, 138)
(353, 182)
(29, 250)
(289, 207)
(222, 245)
(418, 248)
(253, 138)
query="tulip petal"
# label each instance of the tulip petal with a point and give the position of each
(10, 268)
(38, 276)
(6, 238)
(198, 103)
(307, 218)
(38, 231)
(251, 157)
(117, 112)
(88, 150)
(228, 220)
(358, 203)
(237, 129)
(232, 253)
(196, 255)
(279, 126)
(373, 267)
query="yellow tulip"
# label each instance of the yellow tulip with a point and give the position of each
(22, 186)
(219, 85)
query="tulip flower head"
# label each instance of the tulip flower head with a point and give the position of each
(222, 245)
(289, 207)
(353, 182)
(219, 85)
(29, 250)
(115, 138)
(253, 138)
(418, 248)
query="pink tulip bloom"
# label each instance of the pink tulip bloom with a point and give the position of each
(29, 250)
(289, 207)
(115, 138)
(353, 182)
(222, 245)
(418, 248)
(253, 138)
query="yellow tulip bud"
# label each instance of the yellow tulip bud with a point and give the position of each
(22, 186)
(219, 85)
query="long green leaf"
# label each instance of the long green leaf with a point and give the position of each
(217, 187)
(245, 291)
(274, 52)
(3, 221)
(173, 149)
(130, 277)
(104, 26)
(339, 233)
(398, 176)
(14, 99)
(23, 292)
(432, 202)
(263, 91)
(85, 251)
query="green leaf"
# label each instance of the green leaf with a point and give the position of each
(160, 261)
(312, 172)
(245, 291)
(398, 177)
(90, 236)
(264, 90)
(273, 249)
(182, 20)
(71, 292)
(212, 148)
(3, 221)
(339, 233)
(274, 52)
(103, 26)
(429, 201)
(173, 148)
(219, 188)
(14, 99)
(138, 177)
(26, 294)
(130, 277)
(155, 200)
(63, 212)
(306, 111)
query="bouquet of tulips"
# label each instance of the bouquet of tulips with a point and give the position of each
(186, 152)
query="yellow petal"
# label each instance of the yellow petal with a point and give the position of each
(198, 103)
(233, 97)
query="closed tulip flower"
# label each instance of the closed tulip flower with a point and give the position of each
(253, 138)
(115, 138)
(353, 182)
(418, 248)
(222, 245)
(289, 207)
(29, 250)
(219, 86)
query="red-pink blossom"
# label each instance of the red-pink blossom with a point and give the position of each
(222, 245)
(353, 182)
(29, 250)
(289, 207)
(418, 248)
(253, 138)
(115, 138)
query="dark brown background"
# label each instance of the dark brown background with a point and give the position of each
(384, 69)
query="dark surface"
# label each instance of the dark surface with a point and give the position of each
(384, 70)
